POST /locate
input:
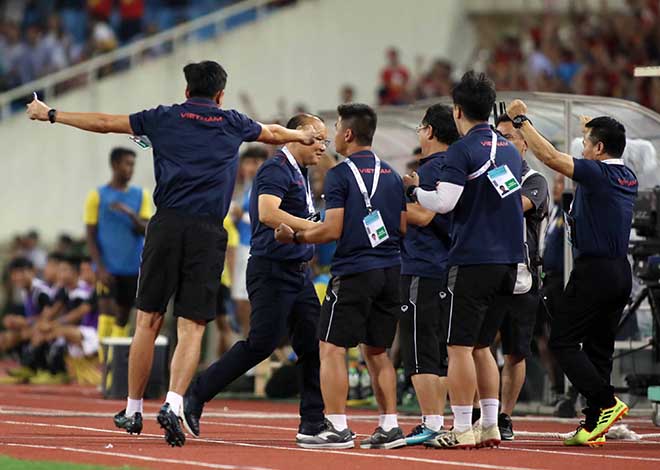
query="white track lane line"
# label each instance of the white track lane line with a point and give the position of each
(143, 458)
(292, 449)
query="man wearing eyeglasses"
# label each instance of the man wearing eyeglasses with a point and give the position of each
(424, 253)
(279, 283)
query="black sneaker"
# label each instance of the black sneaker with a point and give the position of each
(171, 423)
(328, 438)
(506, 427)
(192, 413)
(132, 424)
(382, 439)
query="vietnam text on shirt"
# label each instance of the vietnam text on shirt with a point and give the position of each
(354, 252)
(425, 250)
(601, 213)
(195, 146)
(278, 177)
(486, 229)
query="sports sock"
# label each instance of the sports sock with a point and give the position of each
(462, 417)
(388, 422)
(434, 422)
(133, 406)
(338, 421)
(489, 410)
(176, 402)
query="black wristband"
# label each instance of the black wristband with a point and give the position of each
(52, 114)
(410, 192)
(518, 121)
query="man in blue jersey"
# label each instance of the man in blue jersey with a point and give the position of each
(116, 216)
(599, 222)
(424, 313)
(279, 283)
(195, 147)
(487, 244)
(365, 212)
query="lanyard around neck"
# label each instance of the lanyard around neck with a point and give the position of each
(308, 189)
(491, 160)
(360, 181)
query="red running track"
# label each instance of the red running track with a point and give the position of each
(73, 424)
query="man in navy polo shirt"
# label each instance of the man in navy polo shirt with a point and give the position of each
(585, 322)
(365, 212)
(487, 244)
(195, 146)
(424, 314)
(279, 283)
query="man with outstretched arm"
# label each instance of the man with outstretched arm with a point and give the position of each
(599, 222)
(195, 147)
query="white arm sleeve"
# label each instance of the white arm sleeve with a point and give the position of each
(442, 200)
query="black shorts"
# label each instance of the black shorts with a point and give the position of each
(423, 325)
(122, 290)
(183, 256)
(361, 308)
(472, 290)
(224, 295)
(516, 315)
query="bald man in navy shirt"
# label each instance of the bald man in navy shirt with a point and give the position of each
(599, 222)
(195, 147)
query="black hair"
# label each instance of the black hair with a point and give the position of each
(205, 79)
(20, 263)
(475, 95)
(55, 256)
(361, 119)
(255, 151)
(302, 119)
(610, 132)
(417, 151)
(73, 261)
(117, 153)
(441, 120)
(33, 234)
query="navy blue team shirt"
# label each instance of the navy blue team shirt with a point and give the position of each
(278, 177)
(601, 212)
(195, 146)
(486, 229)
(425, 250)
(354, 253)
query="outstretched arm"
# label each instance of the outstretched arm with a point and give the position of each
(93, 122)
(275, 134)
(329, 230)
(539, 145)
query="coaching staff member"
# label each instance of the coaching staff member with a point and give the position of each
(279, 283)
(195, 148)
(599, 286)
(364, 201)
(424, 252)
(487, 243)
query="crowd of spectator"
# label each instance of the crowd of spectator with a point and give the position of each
(38, 37)
(590, 53)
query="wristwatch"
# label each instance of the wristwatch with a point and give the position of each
(518, 120)
(52, 113)
(410, 192)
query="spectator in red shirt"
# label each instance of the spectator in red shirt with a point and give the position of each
(394, 80)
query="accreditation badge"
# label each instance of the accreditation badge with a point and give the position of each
(503, 181)
(375, 227)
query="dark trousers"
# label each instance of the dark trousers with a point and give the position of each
(588, 314)
(283, 301)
